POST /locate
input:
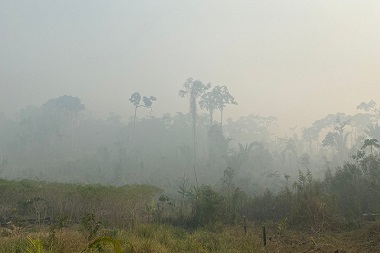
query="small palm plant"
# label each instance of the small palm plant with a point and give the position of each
(101, 242)
(34, 246)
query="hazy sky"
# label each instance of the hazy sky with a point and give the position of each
(296, 60)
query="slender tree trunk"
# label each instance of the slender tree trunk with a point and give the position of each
(310, 148)
(351, 140)
(193, 107)
(72, 132)
(134, 119)
(221, 119)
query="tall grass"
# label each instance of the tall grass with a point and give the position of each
(37, 202)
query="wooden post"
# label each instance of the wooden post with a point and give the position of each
(264, 236)
(245, 225)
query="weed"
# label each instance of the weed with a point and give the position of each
(100, 243)
(34, 246)
(90, 225)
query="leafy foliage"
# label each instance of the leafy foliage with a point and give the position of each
(100, 243)
(64, 103)
(217, 98)
(34, 246)
(371, 143)
(90, 225)
(135, 99)
(371, 106)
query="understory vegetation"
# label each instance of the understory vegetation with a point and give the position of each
(306, 214)
(27, 202)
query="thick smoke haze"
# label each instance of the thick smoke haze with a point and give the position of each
(296, 60)
(189, 126)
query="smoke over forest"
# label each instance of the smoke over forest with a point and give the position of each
(189, 126)
(62, 141)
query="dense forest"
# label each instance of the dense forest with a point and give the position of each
(61, 141)
(190, 170)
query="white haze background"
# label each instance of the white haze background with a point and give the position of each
(296, 60)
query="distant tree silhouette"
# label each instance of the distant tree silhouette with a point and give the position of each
(338, 138)
(370, 107)
(135, 99)
(373, 131)
(217, 98)
(371, 143)
(208, 102)
(66, 105)
(194, 89)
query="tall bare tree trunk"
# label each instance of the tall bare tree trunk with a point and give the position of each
(134, 118)
(221, 120)
(193, 107)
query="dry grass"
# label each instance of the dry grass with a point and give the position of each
(165, 239)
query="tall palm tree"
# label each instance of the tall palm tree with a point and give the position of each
(194, 90)
(371, 143)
